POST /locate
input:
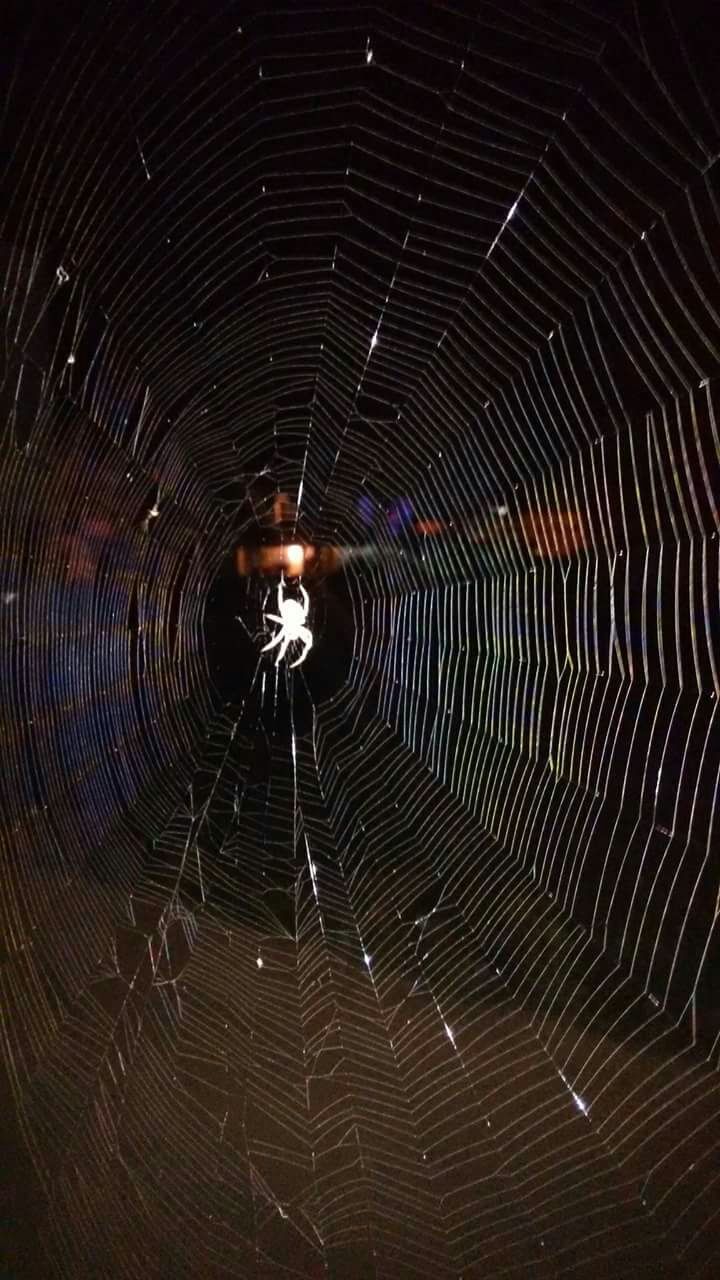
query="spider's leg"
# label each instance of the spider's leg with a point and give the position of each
(272, 643)
(307, 639)
(274, 618)
(282, 651)
(306, 600)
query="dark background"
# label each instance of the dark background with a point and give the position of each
(523, 847)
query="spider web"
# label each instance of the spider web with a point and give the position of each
(405, 964)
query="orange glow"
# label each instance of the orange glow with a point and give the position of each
(553, 533)
(284, 509)
(292, 560)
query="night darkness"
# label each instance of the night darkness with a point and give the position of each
(403, 963)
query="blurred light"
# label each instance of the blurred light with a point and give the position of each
(366, 508)
(272, 560)
(400, 514)
(284, 510)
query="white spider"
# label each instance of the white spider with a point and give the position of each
(292, 618)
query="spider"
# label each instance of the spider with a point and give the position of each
(292, 618)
